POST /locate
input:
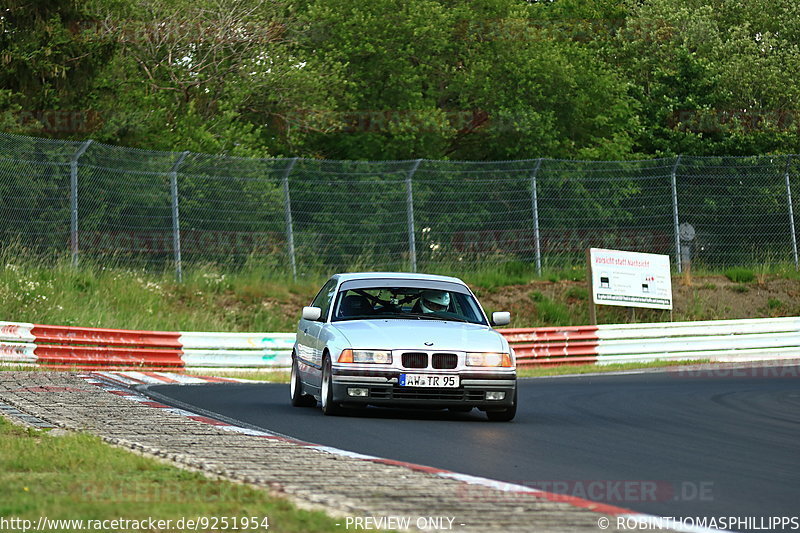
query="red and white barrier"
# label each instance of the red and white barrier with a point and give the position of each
(716, 340)
(237, 349)
(553, 345)
(87, 348)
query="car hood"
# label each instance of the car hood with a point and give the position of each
(399, 334)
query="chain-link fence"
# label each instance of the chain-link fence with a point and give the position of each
(304, 215)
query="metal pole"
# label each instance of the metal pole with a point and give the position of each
(675, 213)
(287, 213)
(73, 185)
(535, 206)
(791, 212)
(412, 243)
(176, 222)
(590, 279)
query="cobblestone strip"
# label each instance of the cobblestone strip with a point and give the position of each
(312, 477)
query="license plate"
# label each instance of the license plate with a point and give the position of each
(428, 380)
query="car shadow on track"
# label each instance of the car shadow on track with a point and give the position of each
(405, 413)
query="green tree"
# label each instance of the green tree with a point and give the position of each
(397, 59)
(479, 80)
(713, 78)
(47, 67)
(204, 76)
(548, 91)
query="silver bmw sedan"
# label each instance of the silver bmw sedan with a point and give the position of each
(397, 339)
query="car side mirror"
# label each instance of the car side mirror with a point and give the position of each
(312, 313)
(501, 318)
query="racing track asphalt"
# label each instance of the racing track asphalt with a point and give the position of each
(680, 444)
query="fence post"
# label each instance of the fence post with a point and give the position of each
(412, 242)
(287, 214)
(535, 205)
(791, 212)
(176, 222)
(73, 200)
(675, 213)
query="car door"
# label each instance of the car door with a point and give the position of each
(309, 351)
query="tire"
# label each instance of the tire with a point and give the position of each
(329, 407)
(296, 389)
(506, 415)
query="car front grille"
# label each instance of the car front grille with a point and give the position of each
(383, 393)
(444, 361)
(412, 393)
(415, 360)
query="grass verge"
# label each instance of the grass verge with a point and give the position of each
(77, 476)
(107, 296)
(275, 376)
(260, 298)
(562, 370)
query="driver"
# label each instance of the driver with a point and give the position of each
(434, 301)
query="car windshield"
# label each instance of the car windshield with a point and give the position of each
(412, 303)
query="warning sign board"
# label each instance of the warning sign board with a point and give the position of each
(630, 279)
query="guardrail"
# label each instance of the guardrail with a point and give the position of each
(718, 340)
(88, 348)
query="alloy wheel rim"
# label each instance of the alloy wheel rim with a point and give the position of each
(325, 378)
(294, 379)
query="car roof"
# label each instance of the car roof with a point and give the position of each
(394, 275)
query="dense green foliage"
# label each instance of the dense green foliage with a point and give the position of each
(391, 79)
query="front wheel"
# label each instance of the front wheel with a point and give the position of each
(507, 414)
(329, 407)
(296, 389)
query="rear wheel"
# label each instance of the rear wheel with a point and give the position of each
(329, 407)
(296, 389)
(507, 414)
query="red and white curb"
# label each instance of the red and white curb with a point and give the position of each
(118, 383)
(131, 378)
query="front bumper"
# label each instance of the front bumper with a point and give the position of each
(383, 388)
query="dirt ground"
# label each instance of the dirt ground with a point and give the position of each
(543, 303)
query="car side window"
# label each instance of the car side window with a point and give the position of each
(325, 297)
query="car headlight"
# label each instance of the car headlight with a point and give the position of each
(488, 359)
(383, 357)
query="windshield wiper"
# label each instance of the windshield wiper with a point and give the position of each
(393, 315)
(436, 317)
(407, 316)
(352, 317)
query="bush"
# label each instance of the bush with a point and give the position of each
(740, 275)
(578, 293)
(553, 313)
(549, 312)
(537, 296)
